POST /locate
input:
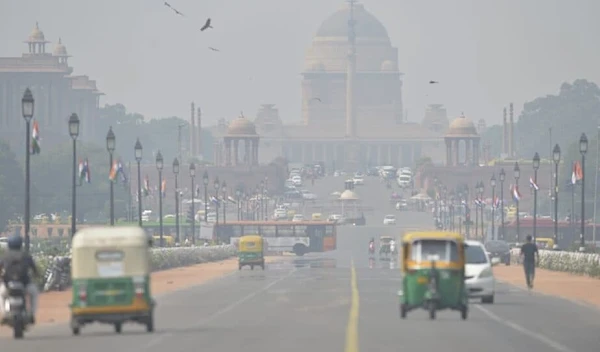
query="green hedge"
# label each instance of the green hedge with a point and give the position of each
(570, 262)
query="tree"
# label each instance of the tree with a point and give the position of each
(12, 186)
(51, 173)
(574, 110)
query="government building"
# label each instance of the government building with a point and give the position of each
(352, 112)
(57, 93)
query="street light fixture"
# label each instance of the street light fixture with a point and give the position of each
(583, 147)
(482, 205)
(536, 166)
(74, 133)
(27, 109)
(176, 173)
(192, 176)
(205, 183)
(138, 158)
(159, 167)
(224, 197)
(110, 147)
(238, 194)
(217, 186)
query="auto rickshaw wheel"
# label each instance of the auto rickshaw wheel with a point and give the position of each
(251, 267)
(432, 310)
(75, 330)
(118, 328)
(464, 313)
(402, 311)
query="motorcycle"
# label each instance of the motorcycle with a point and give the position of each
(58, 276)
(15, 309)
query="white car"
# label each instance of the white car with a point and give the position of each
(308, 195)
(358, 180)
(389, 220)
(298, 218)
(479, 276)
(297, 180)
(337, 218)
(280, 214)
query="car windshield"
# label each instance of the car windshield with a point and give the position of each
(497, 246)
(390, 217)
(475, 255)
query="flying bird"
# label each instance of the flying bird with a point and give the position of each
(213, 49)
(433, 82)
(206, 25)
(174, 9)
(317, 99)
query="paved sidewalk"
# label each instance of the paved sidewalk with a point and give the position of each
(573, 287)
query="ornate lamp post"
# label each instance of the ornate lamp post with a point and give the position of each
(517, 174)
(493, 185)
(583, 147)
(110, 147)
(477, 206)
(556, 159)
(192, 176)
(159, 167)
(138, 158)
(502, 176)
(27, 108)
(74, 133)
(536, 166)
(217, 186)
(224, 197)
(482, 205)
(176, 173)
(205, 183)
(238, 194)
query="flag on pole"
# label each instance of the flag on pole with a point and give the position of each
(114, 170)
(577, 174)
(84, 172)
(533, 185)
(516, 194)
(163, 188)
(35, 138)
(146, 189)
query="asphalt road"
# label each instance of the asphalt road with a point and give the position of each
(337, 301)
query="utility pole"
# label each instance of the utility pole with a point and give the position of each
(179, 141)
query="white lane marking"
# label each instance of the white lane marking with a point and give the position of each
(157, 340)
(534, 335)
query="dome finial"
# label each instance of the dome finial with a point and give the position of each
(59, 40)
(37, 25)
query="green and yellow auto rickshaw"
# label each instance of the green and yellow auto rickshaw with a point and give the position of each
(433, 267)
(111, 278)
(251, 252)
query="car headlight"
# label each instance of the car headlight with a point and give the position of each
(487, 272)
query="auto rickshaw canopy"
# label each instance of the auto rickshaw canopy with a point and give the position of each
(110, 251)
(421, 249)
(251, 243)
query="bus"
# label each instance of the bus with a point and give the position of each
(299, 237)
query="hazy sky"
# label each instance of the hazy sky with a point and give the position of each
(485, 53)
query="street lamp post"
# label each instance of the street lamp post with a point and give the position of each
(192, 176)
(217, 185)
(138, 159)
(205, 183)
(27, 107)
(502, 176)
(110, 147)
(238, 194)
(517, 174)
(159, 167)
(482, 205)
(176, 173)
(583, 147)
(493, 185)
(74, 132)
(556, 158)
(224, 196)
(477, 206)
(536, 166)
(261, 191)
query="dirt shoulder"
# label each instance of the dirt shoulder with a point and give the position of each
(555, 283)
(54, 306)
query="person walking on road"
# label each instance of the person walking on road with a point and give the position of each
(531, 258)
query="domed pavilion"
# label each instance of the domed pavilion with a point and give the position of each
(462, 130)
(241, 130)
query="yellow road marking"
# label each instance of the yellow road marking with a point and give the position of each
(352, 328)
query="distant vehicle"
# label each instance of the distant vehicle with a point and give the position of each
(298, 218)
(479, 276)
(358, 180)
(404, 181)
(280, 214)
(297, 180)
(498, 249)
(3, 242)
(402, 205)
(389, 220)
(337, 218)
(308, 195)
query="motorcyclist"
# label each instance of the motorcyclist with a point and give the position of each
(16, 260)
(372, 245)
(393, 246)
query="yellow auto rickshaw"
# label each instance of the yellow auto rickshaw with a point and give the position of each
(544, 243)
(433, 266)
(110, 271)
(251, 252)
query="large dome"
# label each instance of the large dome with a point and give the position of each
(462, 127)
(241, 126)
(367, 26)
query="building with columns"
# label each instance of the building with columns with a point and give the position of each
(462, 134)
(352, 111)
(56, 91)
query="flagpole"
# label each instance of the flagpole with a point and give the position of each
(596, 186)
(130, 212)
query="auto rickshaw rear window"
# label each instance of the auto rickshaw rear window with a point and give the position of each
(422, 250)
(110, 256)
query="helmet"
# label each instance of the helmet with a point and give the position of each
(15, 243)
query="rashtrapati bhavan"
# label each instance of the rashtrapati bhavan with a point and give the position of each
(351, 100)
